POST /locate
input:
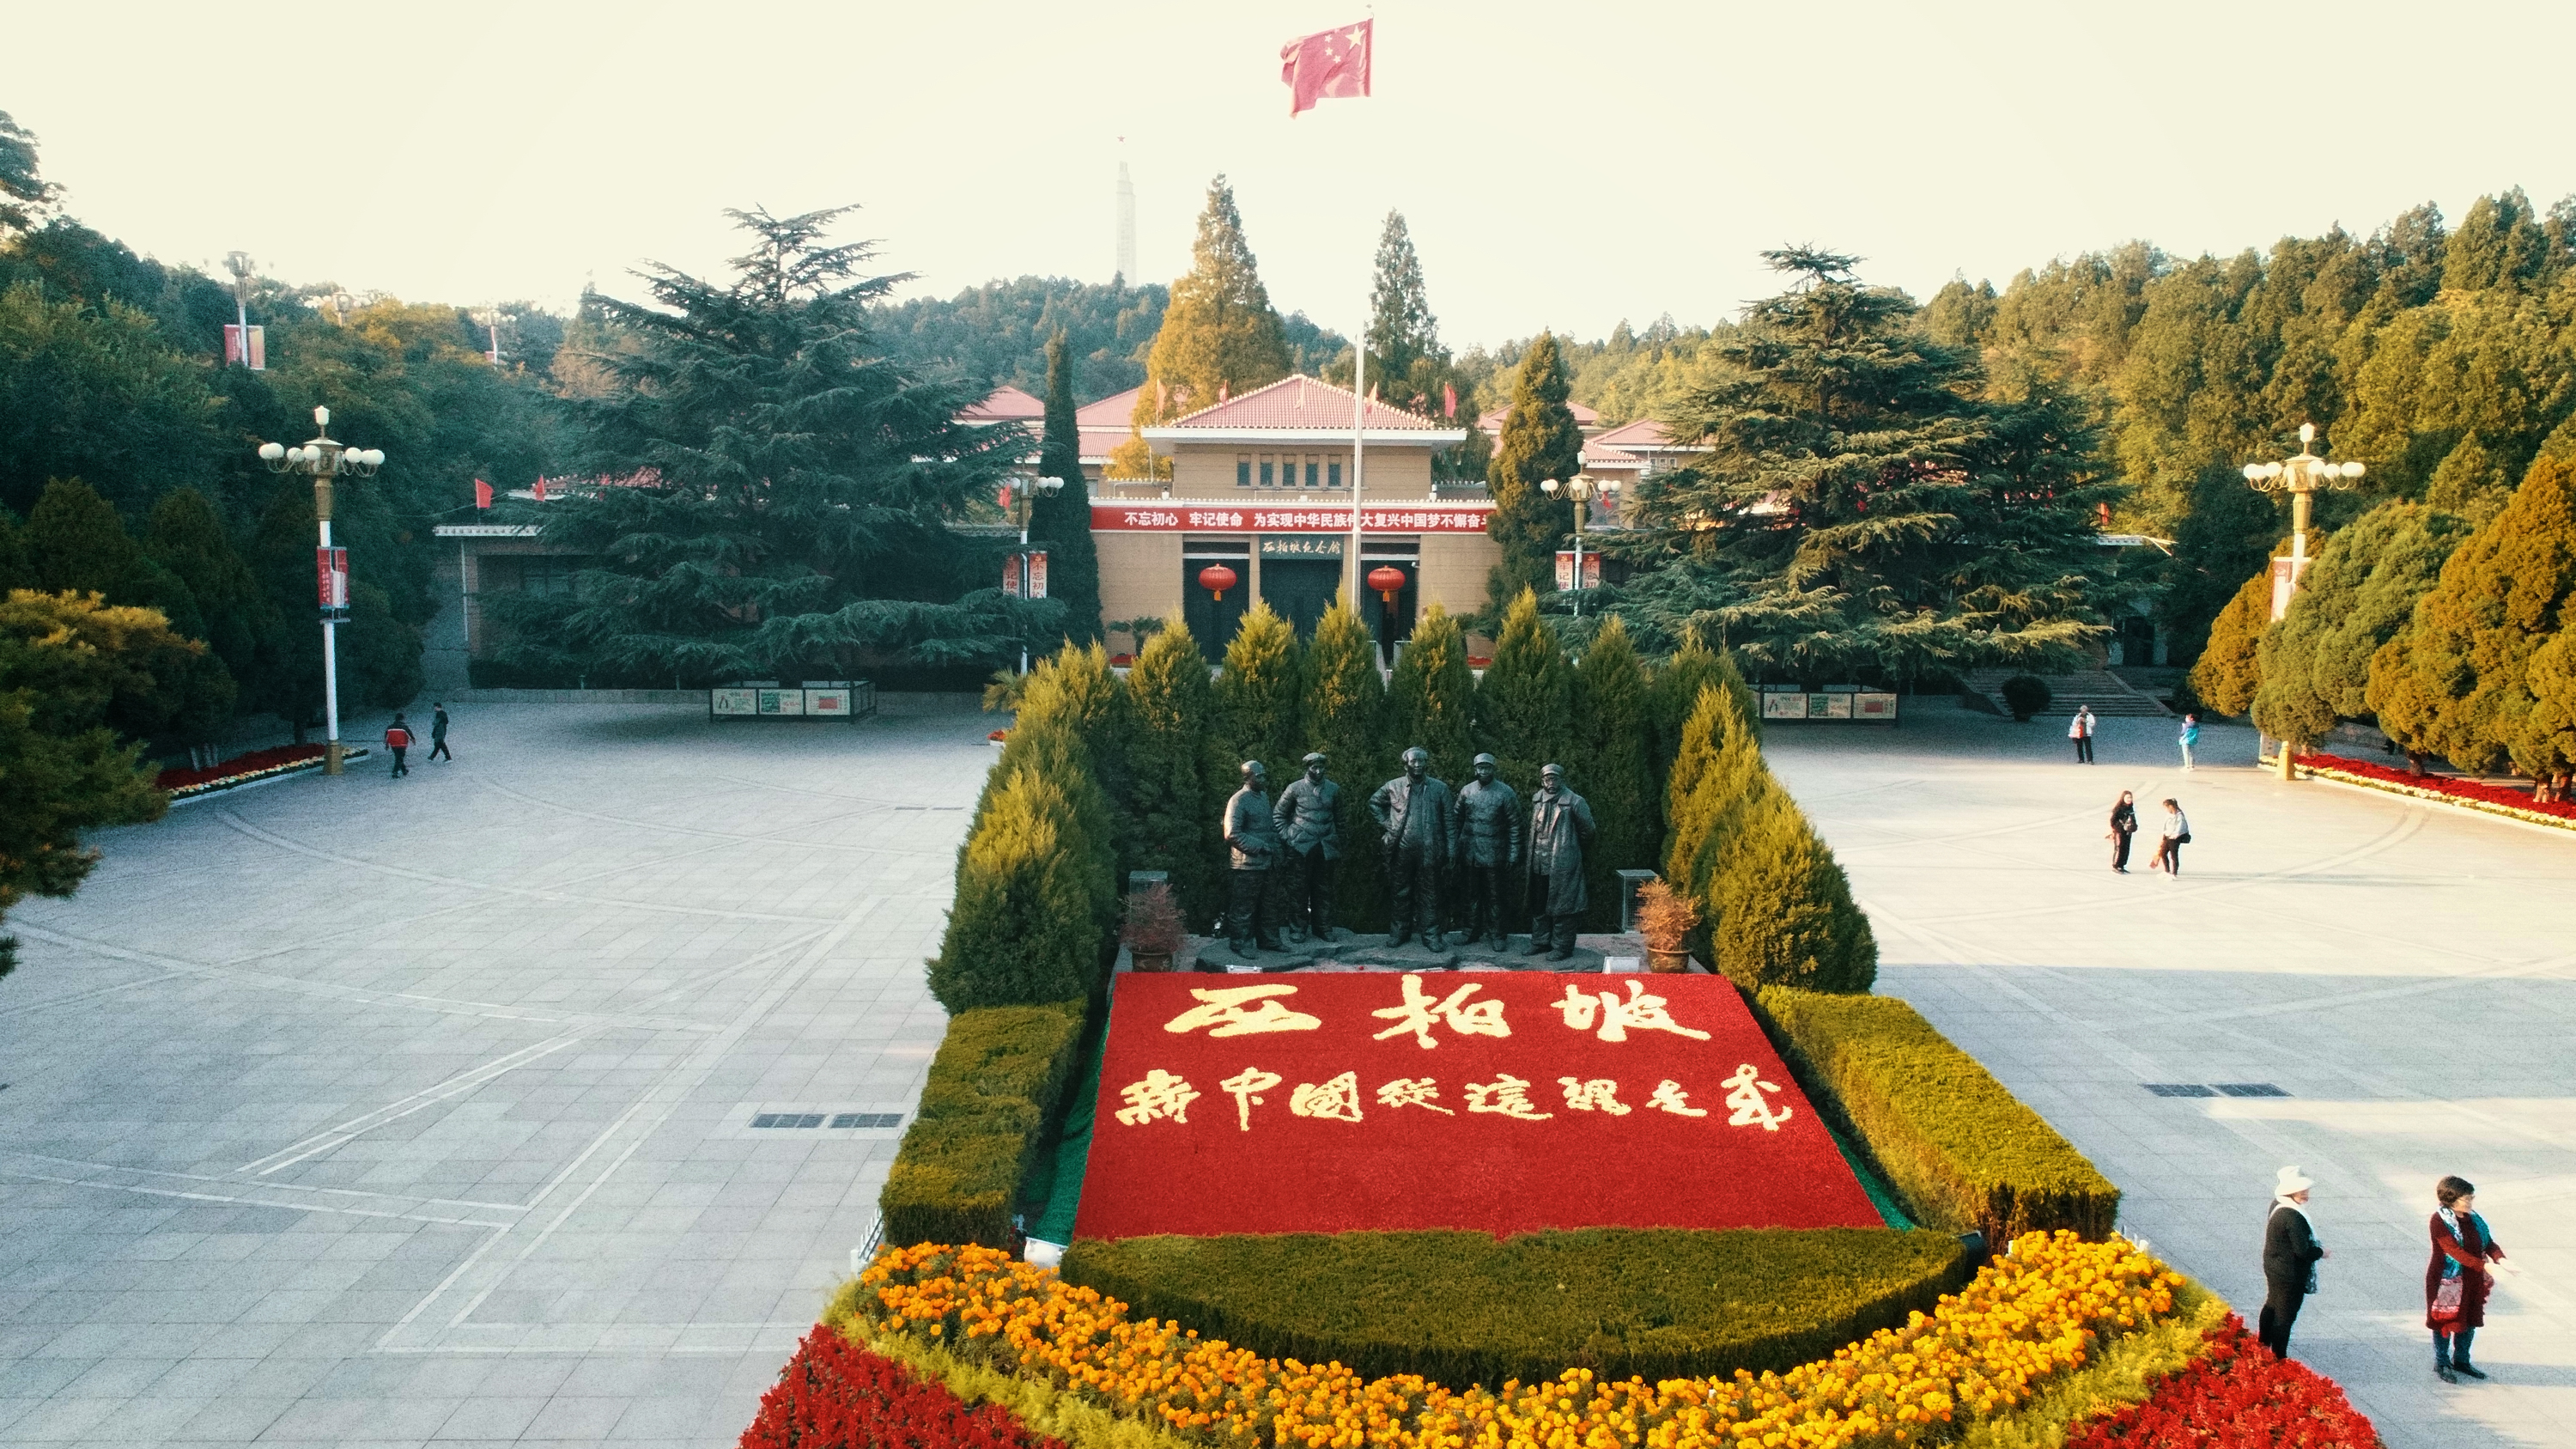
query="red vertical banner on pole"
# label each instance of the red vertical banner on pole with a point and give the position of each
(1037, 573)
(1011, 574)
(331, 582)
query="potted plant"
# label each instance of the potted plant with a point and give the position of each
(1665, 917)
(1153, 928)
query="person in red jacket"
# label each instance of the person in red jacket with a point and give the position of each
(2462, 1270)
(398, 739)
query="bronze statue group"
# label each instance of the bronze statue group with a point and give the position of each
(1478, 834)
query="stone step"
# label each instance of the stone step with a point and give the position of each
(2110, 696)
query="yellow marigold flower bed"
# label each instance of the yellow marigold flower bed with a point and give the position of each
(2035, 1313)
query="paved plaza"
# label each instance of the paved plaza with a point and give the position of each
(392, 1111)
(401, 1111)
(2405, 973)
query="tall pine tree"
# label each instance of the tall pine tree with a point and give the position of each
(1256, 696)
(1431, 700)
(785, 501)
(1525, 702)
(1402, 332)
(1345, 718)
(1858, 506)
(1062, 520)
(1220, 336)
(1540, 441)
(1614, 764)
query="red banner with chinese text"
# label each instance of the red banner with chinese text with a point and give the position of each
(1506, 1102)
(1176, 516)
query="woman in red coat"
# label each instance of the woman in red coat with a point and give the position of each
(2462, 1251)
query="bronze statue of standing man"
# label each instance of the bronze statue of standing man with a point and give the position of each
(1413, 821)
(1309, 819)
(1560, 829)
(1489, 849)
(1252, 843)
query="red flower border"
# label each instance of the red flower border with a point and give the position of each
(2236, 1396)
(835, 1393)
(2498, 799)
(275, 760)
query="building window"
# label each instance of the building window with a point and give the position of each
(1333, 474)
(1243, 470)
(1269, 471)
(1314, 470)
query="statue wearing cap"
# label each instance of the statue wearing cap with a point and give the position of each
(1413, 814)
(1252, 843)
(1560, 829)
(1308, 817)
(1489, 847)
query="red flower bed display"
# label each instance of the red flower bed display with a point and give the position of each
(2500, 799)
(240, 769)
(835, 1393)
(2238, 1394)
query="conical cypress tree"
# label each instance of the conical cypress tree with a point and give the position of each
(1172, 825)
(1540, 441)
(1022, 928)
(1345, 718)
(1062, 521)
(1256, 703)
(1078, 683)
(1785, 914)
(1047, 736)
(1525, 703)
(2455, 681)
(2230, 666)
(1614, 765)
(1432, 698)
(1678, 682)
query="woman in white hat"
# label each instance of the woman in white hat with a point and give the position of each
(2290, 1254)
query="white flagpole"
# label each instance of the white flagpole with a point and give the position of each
(1359, 420)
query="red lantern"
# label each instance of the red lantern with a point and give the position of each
(1388, 580)
(1216, 579)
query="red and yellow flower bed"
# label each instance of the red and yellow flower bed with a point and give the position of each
(2235, 1396)
(2475, 794)
(835, 1392)
(240, 770)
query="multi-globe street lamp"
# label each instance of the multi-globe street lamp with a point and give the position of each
(325, 459)
(1582, 488)
(1019, 497)
(2301, 477)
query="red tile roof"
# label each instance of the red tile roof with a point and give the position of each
(1300, 402)
(1006, 404)
(1110, 412)
(1643, 433)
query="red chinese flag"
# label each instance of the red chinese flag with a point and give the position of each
(482, 494)
(1329, 63)
(1449, 399)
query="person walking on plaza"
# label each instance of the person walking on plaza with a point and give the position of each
(2465, 1256)
(2290, 1256)
(2124, 823)
(398, 740)
(2080, 730)
(2177, 834)
(2190, 736)
(438, 734)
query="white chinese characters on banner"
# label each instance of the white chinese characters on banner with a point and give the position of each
(1159, 1096)
(1229, 1010)
(1417, 1012)
(1338, 1099)
(1247, 1086)
(1751, 1108)
(1639, 1012)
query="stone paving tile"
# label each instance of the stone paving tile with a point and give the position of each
(547, 978)
(2406, 973)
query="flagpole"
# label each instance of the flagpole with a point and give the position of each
(1359, 445)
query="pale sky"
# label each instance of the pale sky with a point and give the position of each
(1561, 165)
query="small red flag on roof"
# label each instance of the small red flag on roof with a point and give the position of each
(1328, 64)
(482, 494)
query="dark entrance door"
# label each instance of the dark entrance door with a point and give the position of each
(1390, 623)
(1299, 590)
(1212, 620)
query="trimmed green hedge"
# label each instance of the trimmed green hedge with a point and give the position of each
(998, 1078)
(1965, 1152)
(1462, 1307)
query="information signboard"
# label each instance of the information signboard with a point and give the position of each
(782, 701)
(1875, 708)
(1784, 706)
(1829, 706)
(829, 703)
(738, 702)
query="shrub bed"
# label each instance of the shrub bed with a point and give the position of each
(2024, 1321)
(2476, 794)
(2235, 1395)
(1463, 1308)
(1965, 1152)
(992, 1089)
(835, 1392)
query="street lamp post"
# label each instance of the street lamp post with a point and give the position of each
(326, 459)
(1582, 488)
(2300, 477)
(1020, 496)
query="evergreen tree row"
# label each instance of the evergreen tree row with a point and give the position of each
(2457, 638)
